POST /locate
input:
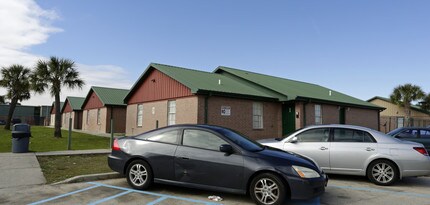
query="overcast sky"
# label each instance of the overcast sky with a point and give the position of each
(361, 48)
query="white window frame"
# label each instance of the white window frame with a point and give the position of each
(318, 114)
(99, 116)
(88, 117)
(139, 121)
(171, 112)
(402, 120)
(257, 115)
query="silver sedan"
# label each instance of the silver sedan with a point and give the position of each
(354, 150)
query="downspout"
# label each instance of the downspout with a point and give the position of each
(304, 114)
(379, 120)
(206, 109)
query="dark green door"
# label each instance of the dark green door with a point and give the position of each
(288, 119)
(342, 115)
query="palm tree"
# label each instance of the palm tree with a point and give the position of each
(16, 81)
(425, 103)
(403, 95)
(53, 74)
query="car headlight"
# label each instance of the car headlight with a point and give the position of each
(304, 172)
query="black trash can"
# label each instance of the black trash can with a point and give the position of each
(20, 138)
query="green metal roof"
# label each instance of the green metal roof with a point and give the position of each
(110, 96)
(294, 90)
(75, 102)
(201, 82)
(414, 107)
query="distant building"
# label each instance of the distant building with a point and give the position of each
(72, 108)
(33, 115)
(258, 105)
(52, 112)
(394, 115)
(100, 106)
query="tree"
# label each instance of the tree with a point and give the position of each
(2, 99)
(16, 80)
(425, 103)
(53, 74)
(403, 95)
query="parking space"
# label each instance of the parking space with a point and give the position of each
(341, 190)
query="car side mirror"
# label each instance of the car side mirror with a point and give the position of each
(226, 148)
(293, 140)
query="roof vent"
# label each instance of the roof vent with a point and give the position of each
(219, 81)
(329, 92)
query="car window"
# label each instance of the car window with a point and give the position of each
(166, 137)
(425, 134)
(351, 135)
(409, 133)
(202, 139)
(314, 135)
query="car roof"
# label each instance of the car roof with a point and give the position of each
(341, 126)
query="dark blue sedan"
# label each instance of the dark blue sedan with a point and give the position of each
(218, 159)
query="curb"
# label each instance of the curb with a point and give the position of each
(90, 177)
(73, 152)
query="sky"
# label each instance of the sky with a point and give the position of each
(361, 48)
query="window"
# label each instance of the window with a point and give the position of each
(400, 122)
(88, 116)
(318, 115)
(314, 135)
(166, 137)
(350, 135)
(409, 133)
(425, 134)
(257, 115)
(171, 112)
(98, 117)
(139, 115)
(202, 139)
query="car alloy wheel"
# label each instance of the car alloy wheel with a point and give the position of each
(139, 174)
(267, 189)
(382, 172)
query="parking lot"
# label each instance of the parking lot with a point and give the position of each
(341, 190)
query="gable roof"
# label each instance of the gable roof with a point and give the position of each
(108, 96)
(202, 82)
(413, 107)
(53, 105)
(295, 90)
(75, 102)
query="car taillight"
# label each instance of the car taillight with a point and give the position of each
(115, 145)
(421, 150)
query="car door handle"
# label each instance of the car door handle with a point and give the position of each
(323, 148)
(370, 149)
(183, 157)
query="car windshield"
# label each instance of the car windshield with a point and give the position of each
(241, 140)
(392, 132)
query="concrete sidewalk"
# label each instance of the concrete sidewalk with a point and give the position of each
(19, 170)
(23, 169)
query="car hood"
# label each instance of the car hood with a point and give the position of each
(291, 157)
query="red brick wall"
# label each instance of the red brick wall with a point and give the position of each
(158, 86)
(92, 102)
(241, 116)
(362, 117)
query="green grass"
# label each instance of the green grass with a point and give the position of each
(58, 168)
(43, 140)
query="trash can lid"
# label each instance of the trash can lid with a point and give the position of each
(21, 127)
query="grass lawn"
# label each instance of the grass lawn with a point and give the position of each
(58, 168)
(43, 140)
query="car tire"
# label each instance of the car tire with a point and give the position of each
(139, 175)
(382, 172)
(267, 189)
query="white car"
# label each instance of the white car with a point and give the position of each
(354, 150)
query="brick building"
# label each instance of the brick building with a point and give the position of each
(259, 106)
(100, 106)
(394, 115)
(72, 108)
(52, 113)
